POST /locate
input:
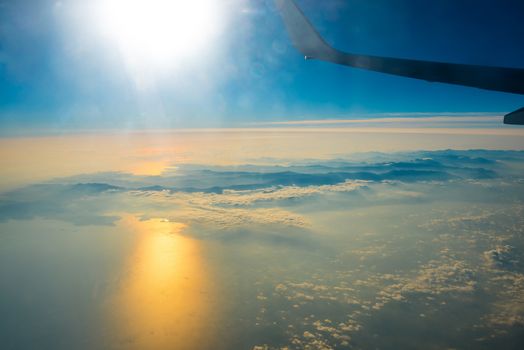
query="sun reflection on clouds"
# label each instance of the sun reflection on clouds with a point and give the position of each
(166, 295)
(149, 168)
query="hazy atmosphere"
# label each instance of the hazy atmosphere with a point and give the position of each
(280, 247)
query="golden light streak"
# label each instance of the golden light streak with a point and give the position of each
(149, 168)
(166, 298)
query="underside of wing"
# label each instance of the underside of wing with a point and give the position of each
(307, 40)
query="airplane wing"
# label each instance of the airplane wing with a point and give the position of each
(309, 42)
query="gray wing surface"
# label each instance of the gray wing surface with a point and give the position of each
(309, 42)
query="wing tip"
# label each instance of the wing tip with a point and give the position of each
(303, 34)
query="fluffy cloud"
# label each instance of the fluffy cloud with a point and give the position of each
(508, 310)
(227, 197)
(501, 256)
(270, 194)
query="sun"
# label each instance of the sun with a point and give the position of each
(160, 32)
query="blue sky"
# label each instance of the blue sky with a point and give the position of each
(57, 71)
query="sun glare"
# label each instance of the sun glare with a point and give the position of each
(162, 32)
